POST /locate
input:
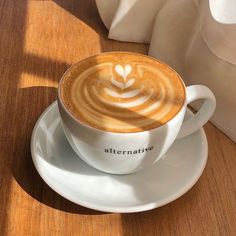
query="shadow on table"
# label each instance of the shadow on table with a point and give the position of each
(85, 11)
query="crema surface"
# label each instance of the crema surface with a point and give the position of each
(122, 92)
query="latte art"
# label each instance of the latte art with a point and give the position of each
(122, 92)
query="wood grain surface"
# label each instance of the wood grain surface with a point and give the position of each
(39, 40)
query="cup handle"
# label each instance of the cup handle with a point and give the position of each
(195, 92)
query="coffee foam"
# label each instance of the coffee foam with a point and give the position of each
(122, 92)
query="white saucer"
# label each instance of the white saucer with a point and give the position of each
(69, 176)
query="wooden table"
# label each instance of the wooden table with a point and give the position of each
(39, 40)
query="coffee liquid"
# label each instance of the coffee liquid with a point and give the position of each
(122, 92)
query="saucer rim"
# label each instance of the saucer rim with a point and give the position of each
(115, 209)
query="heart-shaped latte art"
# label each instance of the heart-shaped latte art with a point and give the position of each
(123, 71)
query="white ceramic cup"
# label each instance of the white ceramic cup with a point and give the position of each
(124, 153)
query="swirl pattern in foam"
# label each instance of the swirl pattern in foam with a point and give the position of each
(122, 92)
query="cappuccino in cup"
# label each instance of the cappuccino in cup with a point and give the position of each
(121, 111)
(122, 92)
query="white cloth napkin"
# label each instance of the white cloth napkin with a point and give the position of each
(196, 37)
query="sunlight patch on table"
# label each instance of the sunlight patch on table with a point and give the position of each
(28, 80)
(55, 33)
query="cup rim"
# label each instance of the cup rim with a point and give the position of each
(115, 132)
